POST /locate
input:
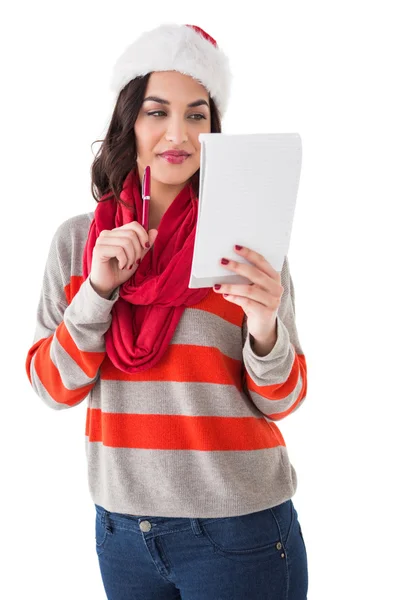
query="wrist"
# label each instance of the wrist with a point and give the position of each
(262, 347)
(103, 293)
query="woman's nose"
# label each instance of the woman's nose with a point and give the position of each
(176, 131)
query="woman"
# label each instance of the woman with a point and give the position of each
(188, 471)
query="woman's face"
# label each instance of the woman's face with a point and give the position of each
(173, 126)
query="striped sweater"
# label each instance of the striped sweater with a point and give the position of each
(194, 436)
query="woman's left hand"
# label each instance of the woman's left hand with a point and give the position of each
(259, 299)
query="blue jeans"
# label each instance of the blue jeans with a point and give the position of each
(258, 556)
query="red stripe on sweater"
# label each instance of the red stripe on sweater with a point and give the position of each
(217, 305)
(176, 432)
(49, 375)
(213, 303)
(89, 362)
(183, 363)
(280, 391)
(72, 287)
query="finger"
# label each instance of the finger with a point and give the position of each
(139, 230)
(105, 250)
(246, 291)
(255, 275)
(133, 246)
(153, 233)
(128, 240)
(251, 306)
(251, 292)
(259, 260)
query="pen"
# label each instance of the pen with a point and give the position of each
(146, 198)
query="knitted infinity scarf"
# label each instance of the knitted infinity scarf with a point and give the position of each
(151, 302)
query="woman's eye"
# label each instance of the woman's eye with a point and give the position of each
(157, 112)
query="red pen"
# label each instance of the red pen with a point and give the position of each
(146, 198)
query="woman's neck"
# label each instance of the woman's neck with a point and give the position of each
(161, 198)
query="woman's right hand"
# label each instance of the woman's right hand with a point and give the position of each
(115, 255)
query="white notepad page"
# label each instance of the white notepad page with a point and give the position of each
(247, 196)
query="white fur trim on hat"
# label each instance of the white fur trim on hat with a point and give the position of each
(172, 47)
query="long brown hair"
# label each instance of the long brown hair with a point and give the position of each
(117, 154)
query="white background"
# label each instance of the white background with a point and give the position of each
(327, 71)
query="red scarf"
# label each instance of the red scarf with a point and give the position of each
(151, 302)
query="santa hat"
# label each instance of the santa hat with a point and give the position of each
(184, 48)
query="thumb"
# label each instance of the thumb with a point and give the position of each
(152, 236)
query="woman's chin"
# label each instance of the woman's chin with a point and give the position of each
(172, 174)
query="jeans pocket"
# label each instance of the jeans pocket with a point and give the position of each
(102, 529)
(244, 534)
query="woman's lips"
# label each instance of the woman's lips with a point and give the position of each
(175, 160)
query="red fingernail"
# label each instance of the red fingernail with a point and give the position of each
(224, 261)
(238, 247)
(147, 245)
(217, 286)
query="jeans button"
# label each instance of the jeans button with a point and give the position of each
(145, 525)
(279, 546)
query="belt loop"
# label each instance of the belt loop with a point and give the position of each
(196, 527)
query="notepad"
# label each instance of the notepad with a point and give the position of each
(247, 196)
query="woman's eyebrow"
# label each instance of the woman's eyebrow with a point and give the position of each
(162, 101)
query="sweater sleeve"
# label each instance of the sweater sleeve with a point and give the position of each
(277, 382)
(68, 345)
